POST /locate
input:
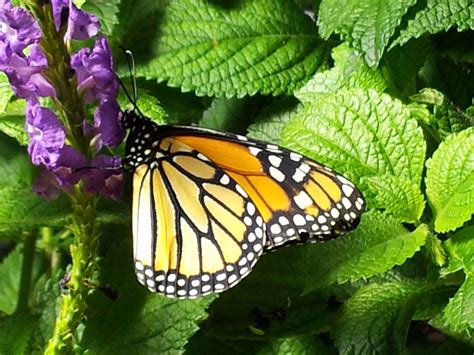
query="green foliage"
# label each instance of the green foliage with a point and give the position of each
(192, 50)
(439, 16)
(450, 181)
(368, 26)
(376, 318)
(381, 94)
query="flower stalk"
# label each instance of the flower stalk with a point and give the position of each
(36, 56)
(73, 301)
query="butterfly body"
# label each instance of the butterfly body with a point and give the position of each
(207, 204)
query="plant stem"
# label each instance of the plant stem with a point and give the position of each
(73, 303)
(22, 305)
(82, 223)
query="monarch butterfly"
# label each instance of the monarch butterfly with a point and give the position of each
(207, 204)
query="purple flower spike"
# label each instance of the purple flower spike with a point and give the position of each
(95, 71)
(17, 27)
(46, 135)
(106, 119)
(81, 25)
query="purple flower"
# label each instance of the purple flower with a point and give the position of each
(80, 25)
(95, 71)
(17, 27)
(107, 179)
(69, 167)
(106, 119)
(25, 73)
(46, 185)
(46, 135)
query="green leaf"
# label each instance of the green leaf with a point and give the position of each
(12, 121)
(10, 271)
(460, 250)
(439, 16)
(368, 25)
(446, 117)
(295, 345)
(15, 333)
(362, 133)
(6, 92)
(377, 245)
(375, 320)
(271, 121)
(401, 65)
(107, 12)
(350, 71)
(228, 50)
(137, 321)
(458, 316)
(401, 197)
(202, 344)
(450, 181)
(233, 115)
(149, 105)
(21, 208)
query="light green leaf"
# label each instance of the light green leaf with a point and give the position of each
(458, 316)
(362, 133)
(399, 196)
(149, 106)
(107, 12)
(12, 121)
(375, 319)
(10, 271)
(368, 25)
(450, 181)
(460, 249)
(6, 92)
(271, 121)
(256, 46)
(350, 71)
(378, 244)
(15, 333)
(439, 16)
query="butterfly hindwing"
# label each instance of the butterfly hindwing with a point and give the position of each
(195, 230)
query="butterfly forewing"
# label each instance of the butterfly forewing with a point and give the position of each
(195, 231)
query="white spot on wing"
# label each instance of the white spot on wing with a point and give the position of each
(274, 160)
(302, 200)
(277, 174)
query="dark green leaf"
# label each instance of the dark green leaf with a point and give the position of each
(137, 321)
(15, 333)
(376, 318)
(222, 49)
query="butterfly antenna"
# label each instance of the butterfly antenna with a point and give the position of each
(132, 69)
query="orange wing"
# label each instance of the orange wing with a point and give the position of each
(298, 198)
